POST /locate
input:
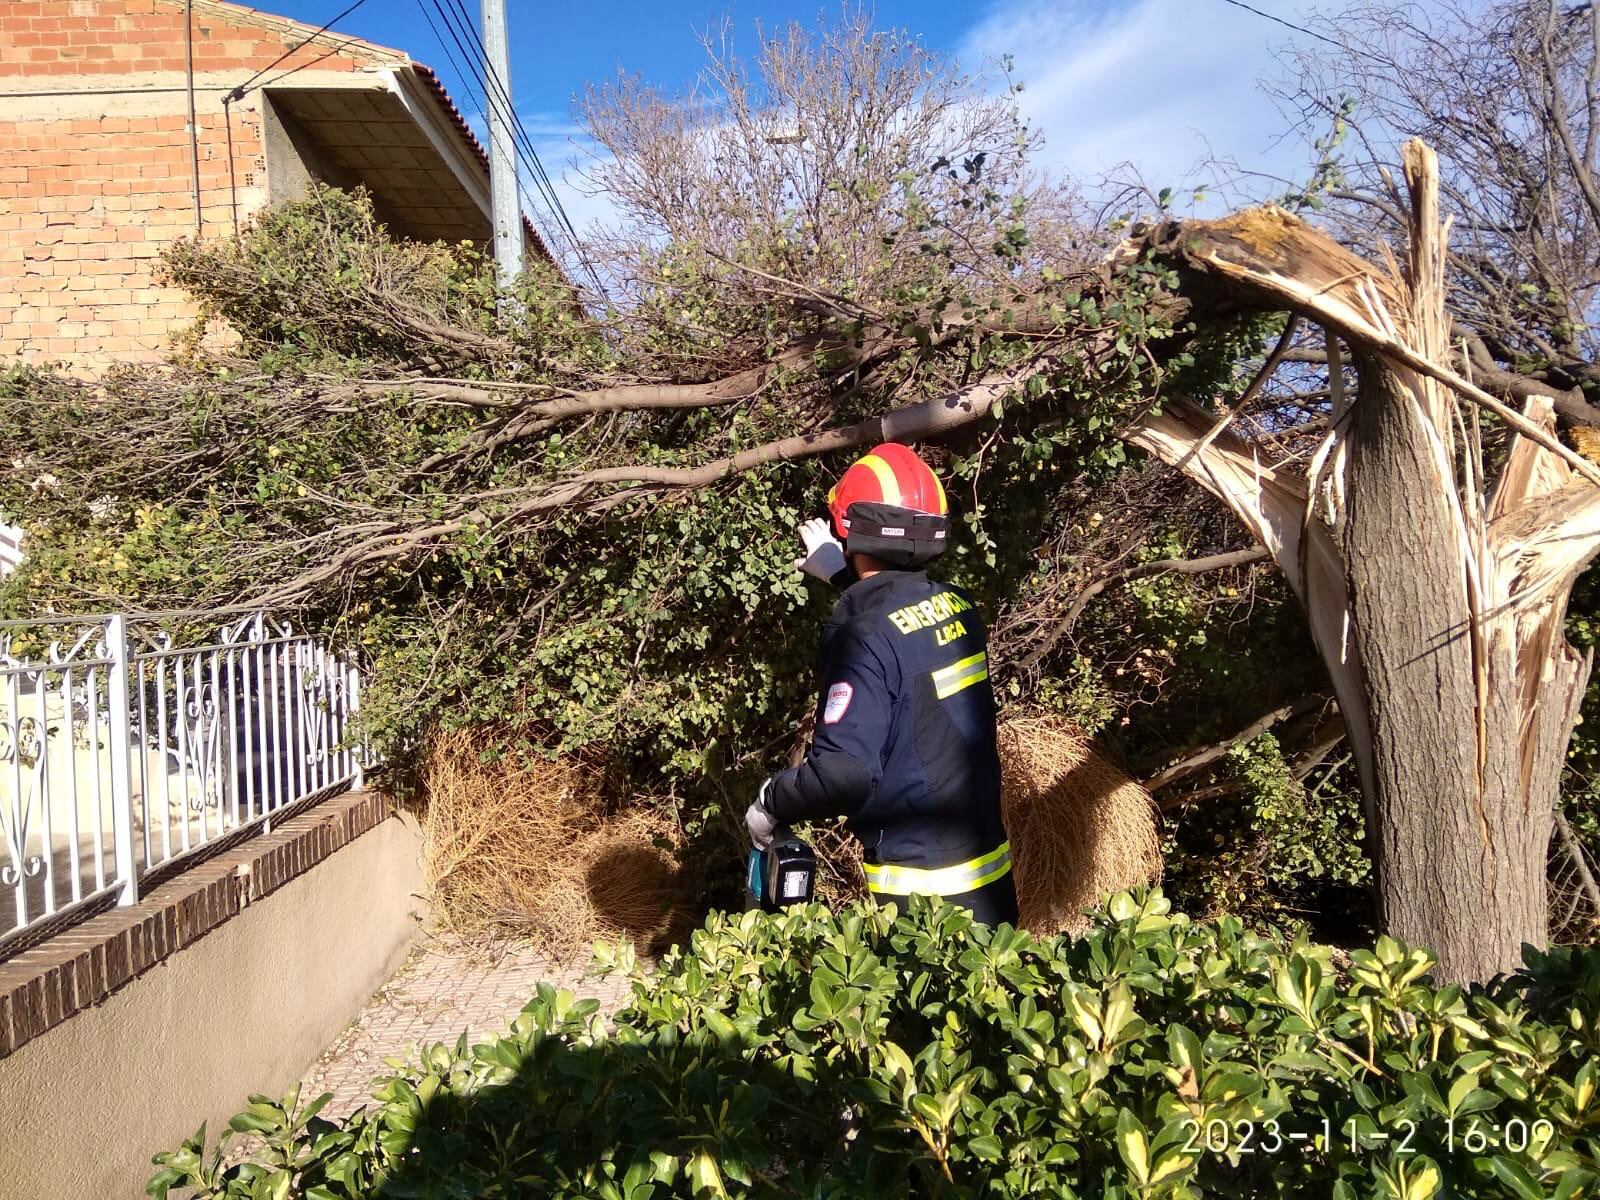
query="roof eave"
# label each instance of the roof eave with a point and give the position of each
(430, 105)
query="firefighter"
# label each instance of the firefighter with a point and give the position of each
(905, 732)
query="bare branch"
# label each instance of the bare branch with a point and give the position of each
(1580, 863)
(1178, 566)
(1198, 760)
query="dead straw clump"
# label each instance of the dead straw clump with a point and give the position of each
(840, 878)
(525, 850)
(1080, 828)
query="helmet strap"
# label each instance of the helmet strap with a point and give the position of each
(897, 537)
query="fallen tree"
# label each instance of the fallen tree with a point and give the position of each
(1435, 589)
(1433, 592)
(575, 525)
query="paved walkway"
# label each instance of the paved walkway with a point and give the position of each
(434, 997)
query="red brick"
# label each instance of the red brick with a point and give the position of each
(28, 1011)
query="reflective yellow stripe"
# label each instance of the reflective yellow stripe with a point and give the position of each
(947, 681)
(944, 505)
(890, 880)
(887, 483)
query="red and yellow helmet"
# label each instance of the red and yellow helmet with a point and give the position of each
(890, 506)
(892, 474)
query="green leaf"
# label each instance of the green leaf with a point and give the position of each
(163, 1180)
(1515, 1177)
(704, 1175)
(1184, 1047)
(927, 1107)
(1133, 1146)
(986, 1147)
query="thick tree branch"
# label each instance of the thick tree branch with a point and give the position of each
(376, 545)
(535, 418)
(1277, 257)
(1290, 328)
(1580, 864)
(1570, 403)
(1556, 106)
(1314, 755)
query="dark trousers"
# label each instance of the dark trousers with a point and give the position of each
(992, 904)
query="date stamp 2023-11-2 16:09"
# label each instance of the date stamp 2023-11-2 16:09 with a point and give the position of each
(1468, 1134)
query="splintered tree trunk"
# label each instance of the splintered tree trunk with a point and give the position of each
(1458, 833)
(1436, 602)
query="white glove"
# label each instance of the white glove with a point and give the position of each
(761, 823)
(824, 556)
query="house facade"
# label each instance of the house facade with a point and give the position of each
(101, 168)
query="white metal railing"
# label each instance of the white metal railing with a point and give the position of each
(10, 547)
(129, 742)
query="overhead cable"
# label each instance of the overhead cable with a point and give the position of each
(238, 92)
(495, 91)
(1321, 37)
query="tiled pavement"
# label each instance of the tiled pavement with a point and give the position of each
(434, 997)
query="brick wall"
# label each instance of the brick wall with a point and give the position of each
(96, 163)
(86, 207)
(79, 38)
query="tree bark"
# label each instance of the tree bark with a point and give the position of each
(1436, 600)
(1458, 843)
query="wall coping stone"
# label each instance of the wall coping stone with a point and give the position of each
(81, 966)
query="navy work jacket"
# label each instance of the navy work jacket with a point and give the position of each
(905, 739)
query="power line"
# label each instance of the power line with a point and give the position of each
(1288, 24)
(326, 54)
(503, 93)
(466, 80)
(473, 56)
(238, 92)
(527, 153)
(469, 75)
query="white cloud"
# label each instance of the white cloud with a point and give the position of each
(566, 152)
(563, 150)
(1161, 84)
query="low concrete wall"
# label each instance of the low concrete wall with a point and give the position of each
(247, 1008)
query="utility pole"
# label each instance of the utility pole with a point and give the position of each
(506, 214)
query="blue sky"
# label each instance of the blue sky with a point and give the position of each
(1160, 83)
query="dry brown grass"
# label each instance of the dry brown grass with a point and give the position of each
(526, 850)
(1080, 828)
(839, 876)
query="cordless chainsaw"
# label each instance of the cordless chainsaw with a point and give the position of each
(784, 873)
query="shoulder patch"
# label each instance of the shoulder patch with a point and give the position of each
(838, 703)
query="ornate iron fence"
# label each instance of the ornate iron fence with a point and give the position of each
(10, 547)
(127, 743)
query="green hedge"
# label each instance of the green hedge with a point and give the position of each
(863, 1054)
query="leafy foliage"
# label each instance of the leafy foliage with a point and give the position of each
(867, 1053)
(665, 627)
(1278, 849)
(385, 450)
